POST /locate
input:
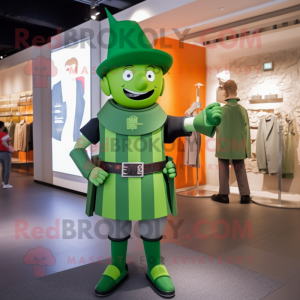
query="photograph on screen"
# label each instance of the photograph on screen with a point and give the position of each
(71, 102)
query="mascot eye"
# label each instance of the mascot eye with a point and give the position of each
(35, 258)
(36, 68)
(150, 75)
(127, 75)
(43, 258)
(44, 68)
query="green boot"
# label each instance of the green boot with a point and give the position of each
(116, 273)
(157, 273)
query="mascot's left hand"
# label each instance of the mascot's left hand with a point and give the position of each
(214, 113)
(170, 170)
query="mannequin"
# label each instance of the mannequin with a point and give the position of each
(233, 143)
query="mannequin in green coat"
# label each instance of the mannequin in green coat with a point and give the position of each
(132, 179)
(233, 143)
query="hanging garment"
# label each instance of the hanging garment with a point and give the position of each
(233, 134)
(22, 137)
(267, 145)
(11, 131)
(296, 113)
(16, 137)
(192, 146)
(288, 158)
(255, 117)
(251, 163)
(29, 137)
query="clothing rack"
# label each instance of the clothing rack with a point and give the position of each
(13, 109)
(279, 203)
(196, 106)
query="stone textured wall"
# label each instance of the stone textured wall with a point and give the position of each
(284, 81)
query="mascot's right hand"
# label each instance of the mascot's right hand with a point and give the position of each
(97, 176)
(214, 113)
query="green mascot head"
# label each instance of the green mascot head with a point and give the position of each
(133, 71)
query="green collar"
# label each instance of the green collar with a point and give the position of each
(126, 121)
(232, 101)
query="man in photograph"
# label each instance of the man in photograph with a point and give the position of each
(68, 104)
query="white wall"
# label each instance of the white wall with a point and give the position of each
(217, 60)
(42, 124)
(14, 80)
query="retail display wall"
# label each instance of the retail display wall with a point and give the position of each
(283, 51)
(283, 83)
(16, 111)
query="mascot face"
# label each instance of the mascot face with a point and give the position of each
(135, 87)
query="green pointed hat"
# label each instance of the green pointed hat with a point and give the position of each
(128, 45)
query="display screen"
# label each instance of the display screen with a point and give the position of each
(268, 66)
(71, 101)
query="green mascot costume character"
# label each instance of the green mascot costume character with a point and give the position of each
(132, 179)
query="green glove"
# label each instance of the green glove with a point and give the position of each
(88, 170)
(97, 176)
(170, 170)
(214, 113)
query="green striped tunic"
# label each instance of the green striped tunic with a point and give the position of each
(122, 198)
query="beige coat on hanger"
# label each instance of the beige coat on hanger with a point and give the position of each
(267, 145)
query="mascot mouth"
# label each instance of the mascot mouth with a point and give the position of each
(137, 96)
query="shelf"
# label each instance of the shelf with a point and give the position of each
(10, 116)
(27, 104)
(274, 100)
(20, 162)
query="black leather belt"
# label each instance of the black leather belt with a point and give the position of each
(130, 169)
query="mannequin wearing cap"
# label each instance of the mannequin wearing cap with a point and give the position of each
(132, 179)
(233, 143)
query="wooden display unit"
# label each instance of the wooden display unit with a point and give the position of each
(16, 108)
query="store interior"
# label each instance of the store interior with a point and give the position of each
(258, 46)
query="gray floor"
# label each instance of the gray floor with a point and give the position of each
(273, 249)
(235, 283)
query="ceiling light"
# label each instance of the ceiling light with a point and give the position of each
(93, 17)
(140, 15)
(97, 13)
(1, 57)
(221, 8)
(157, 29)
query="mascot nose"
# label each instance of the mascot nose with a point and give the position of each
(141, 82)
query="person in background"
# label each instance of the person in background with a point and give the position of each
(233, 143)
(5, 156)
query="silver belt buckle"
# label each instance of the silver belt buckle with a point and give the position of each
(132, 169)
